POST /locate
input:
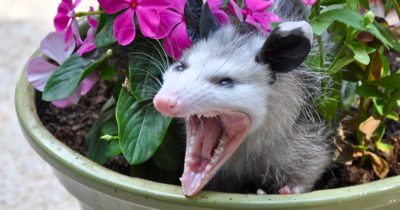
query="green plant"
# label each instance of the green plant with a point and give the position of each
(361, 76)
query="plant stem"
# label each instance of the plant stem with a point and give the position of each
(396, 7)
(317, 8)
(80, 14)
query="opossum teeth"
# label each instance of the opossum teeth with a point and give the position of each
(191, 142)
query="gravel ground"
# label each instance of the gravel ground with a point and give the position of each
(26, 181)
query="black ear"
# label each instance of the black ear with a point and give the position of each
(286, 47)
(200, 21)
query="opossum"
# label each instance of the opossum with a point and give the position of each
(248, 104)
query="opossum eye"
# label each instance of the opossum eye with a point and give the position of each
(180, 67)
(226, 81)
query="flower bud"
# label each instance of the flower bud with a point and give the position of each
(369, 18)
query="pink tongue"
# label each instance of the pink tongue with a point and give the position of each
(202, 139)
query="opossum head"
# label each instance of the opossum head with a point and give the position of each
(220, 87)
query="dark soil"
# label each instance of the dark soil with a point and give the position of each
(72, 124)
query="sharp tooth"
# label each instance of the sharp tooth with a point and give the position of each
(208, 168)
(198, 116)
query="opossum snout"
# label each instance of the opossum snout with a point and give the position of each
(165, 104)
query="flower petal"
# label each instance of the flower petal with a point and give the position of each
(88, 83)
(61, 20)
(75, 30)
(68, 3)
(88, 44)
(222, 17)
(234, 9)
(113, 6)
(39, 71)
(177, 41)
(215, 4)
(53, 47)
(76, 3)
(258, 5)
(155, 4)
(169, 19)
(149, 22)
(92, 21)
(309, 2)
(124, 28)
(69, 34)
(178, 5)
(264, 19)
(71, 100)
(392, 18)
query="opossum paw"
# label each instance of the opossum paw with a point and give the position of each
(286, 190)
(261, 192)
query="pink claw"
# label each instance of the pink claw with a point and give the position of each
(286, 190)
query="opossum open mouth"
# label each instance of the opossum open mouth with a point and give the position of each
(210, 142)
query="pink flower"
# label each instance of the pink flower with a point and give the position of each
(173, 20)
(39, 70)
(88, 43)
(215, 7)
(65, 18)
(147, 13)
(255, 13)
(310, 2)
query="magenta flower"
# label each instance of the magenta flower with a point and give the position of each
(257, 16)
(89, 42)
(148, 17)
(255, 13)
(65, 18)
(310, 2)
(173, 20)
(215, 7)
(39, 70)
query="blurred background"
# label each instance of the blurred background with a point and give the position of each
(26, 181)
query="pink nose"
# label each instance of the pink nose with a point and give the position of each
(165, 104)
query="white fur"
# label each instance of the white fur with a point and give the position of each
(287, 143)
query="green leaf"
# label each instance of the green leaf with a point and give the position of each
(97, 148)
(389, 82)
(109, 104)
(349, 96)
(379, 106)
(113, 149)
(319, 26)
(105, 36)
(169, 155)
(386, 66)
(383, 146)
(379, 132)
(141, 128)
(369, 92)
(70, 74)
(360, 53)
(345, 16)
(393, 116)
(384, 34)
(107, 72)
(388, 6)
(352, 5)
(110, 128)
(397, 103)
(365, 4)
(145, 68)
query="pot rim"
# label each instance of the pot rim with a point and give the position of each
(43, 140)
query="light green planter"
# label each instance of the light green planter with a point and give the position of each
(99, 188)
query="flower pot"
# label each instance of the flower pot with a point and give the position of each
(97, 187)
